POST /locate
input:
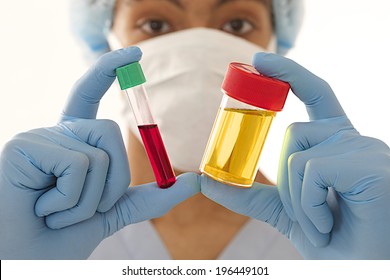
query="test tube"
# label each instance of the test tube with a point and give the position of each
(131, 80)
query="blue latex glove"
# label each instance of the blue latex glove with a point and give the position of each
(333, 190)
(63, 189)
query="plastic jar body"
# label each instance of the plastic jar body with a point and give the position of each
(248, 107)
(233, 151)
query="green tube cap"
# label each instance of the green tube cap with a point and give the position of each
(130, 75)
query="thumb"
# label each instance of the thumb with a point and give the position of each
(148, 201)
(261, 202)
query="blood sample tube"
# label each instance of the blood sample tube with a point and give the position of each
(131, 80)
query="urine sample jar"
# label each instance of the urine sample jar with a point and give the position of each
(248, 106)
(131, 80)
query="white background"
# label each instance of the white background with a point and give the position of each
(345, 42)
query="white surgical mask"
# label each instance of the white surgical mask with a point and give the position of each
(184, 71)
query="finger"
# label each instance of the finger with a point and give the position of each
(349, 175)
(260, 202)
(106, 135)
(37, 162)
(70, 168)
(91, 194)
(315, 186)
(148, 201)
(297, 163)
(315, 93)
(300, 137)
(50, 204)
(301, 167)
(85, 96)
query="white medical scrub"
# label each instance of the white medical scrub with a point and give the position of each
(141, 241)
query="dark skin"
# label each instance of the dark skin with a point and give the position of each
(197, 228)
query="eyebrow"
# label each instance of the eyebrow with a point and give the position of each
(178, 4)
(174, 2)
(221, 2)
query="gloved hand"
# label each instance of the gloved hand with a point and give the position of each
(333, 187)
(63, 189)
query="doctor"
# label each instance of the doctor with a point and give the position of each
(193, 41)
(84, 159)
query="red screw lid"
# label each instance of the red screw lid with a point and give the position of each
(244, 83)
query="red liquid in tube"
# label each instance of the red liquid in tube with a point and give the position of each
(158, 157)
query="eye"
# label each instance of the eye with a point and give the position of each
(238, 26)
(154, 26)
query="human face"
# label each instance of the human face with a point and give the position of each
(138, 20)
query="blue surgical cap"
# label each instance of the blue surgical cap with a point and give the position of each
(91, 21)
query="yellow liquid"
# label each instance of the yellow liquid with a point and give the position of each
(233, 151)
